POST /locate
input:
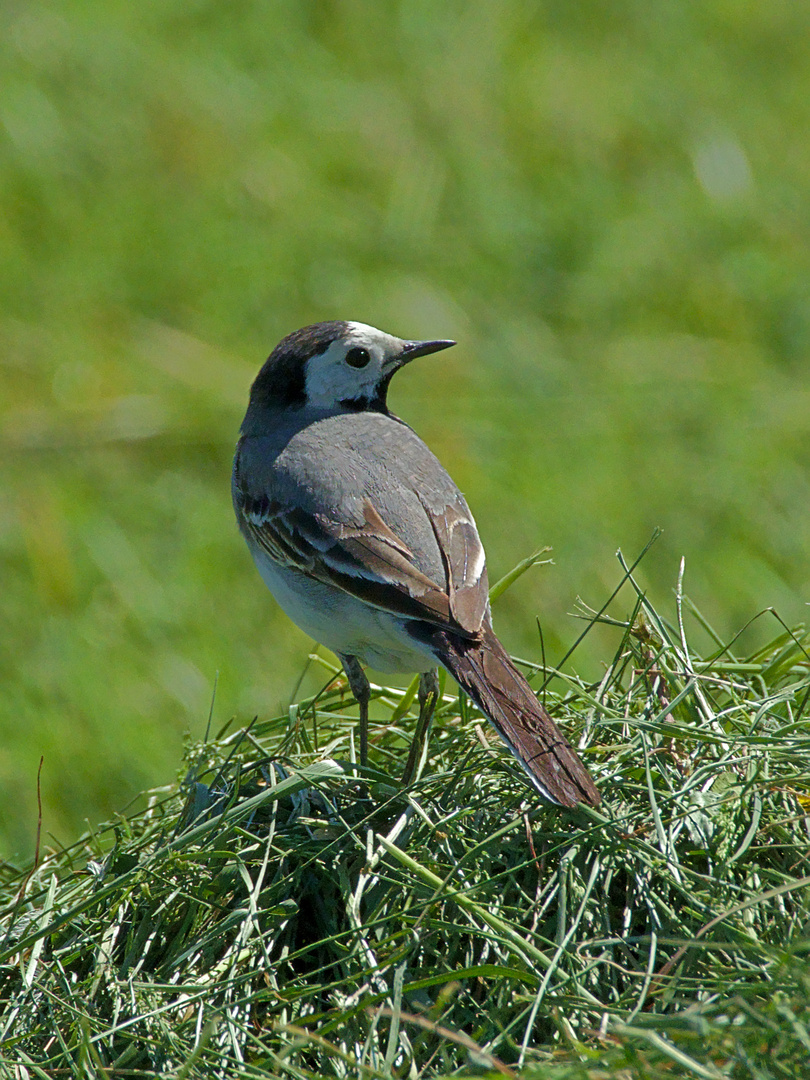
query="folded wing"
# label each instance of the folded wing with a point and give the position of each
(370, 561)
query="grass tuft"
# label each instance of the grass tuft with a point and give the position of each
(280, 913)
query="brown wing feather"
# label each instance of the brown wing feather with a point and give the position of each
(465, 563)
(368, 561)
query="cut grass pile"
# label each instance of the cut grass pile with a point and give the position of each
(275, 915)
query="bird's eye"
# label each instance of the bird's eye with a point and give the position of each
(358, 357)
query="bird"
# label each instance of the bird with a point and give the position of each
(369, 547)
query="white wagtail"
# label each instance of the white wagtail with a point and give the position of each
(369, 546)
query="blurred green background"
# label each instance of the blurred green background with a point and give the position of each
(606, 204)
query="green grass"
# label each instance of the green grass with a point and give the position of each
(605, 204)
(272, 916)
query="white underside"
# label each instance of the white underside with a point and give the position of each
(343, 624)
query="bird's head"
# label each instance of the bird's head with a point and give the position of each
(335, 365)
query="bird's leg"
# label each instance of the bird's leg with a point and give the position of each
(428, 696)
(362, 691)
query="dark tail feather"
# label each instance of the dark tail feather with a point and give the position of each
(483, 669)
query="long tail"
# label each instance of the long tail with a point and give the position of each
(483, 669)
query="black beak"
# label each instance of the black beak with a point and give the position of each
(412, 349)
(421, 348)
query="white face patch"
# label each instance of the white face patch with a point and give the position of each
(330, 378)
